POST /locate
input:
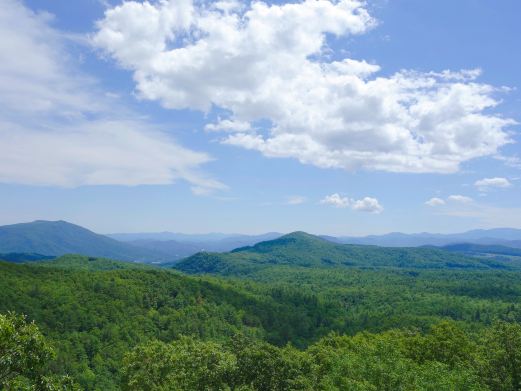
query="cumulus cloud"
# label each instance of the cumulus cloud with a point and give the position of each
(366, 204)
(487, 183)
(58, 128)
(435, 201)
(336, 200)
(267, 62)
(460, 198)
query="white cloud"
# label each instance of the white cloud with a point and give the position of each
(228, 125)
(460, 198)
(57, 127)
(435, 201)
(366, 204)
(336, 200)
(98, 152)
(296, 200)
(487, 183)
(267, 62)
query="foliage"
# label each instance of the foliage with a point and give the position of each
(24, 257)
(501, 357)
(114, 323)
(445, 359)
(187, 364)
(95, 315)
(24, 354)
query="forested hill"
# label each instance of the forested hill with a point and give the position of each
(471, 248)
(96, 310)
(54, 238)
(305, 250)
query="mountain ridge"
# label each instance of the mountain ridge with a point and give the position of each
(510, 237)
(55, 238)
(304, 250)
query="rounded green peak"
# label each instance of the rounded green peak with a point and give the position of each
(300, 235)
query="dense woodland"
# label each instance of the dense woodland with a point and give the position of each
(362, 319)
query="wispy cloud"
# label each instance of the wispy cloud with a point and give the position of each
(59, 128)
(486, 184)
(296, 200)
(484, 215)
(511, 161)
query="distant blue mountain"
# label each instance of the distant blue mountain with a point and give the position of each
(214, 237)
(184, 245)
(166, 236)
(55, 238)
(509, 237)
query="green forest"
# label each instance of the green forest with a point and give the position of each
(296, 313)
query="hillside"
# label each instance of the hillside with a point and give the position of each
(95, 310)
(54, 238)
(305, 250)
(92, 264)
(477, 249)
(24, 257)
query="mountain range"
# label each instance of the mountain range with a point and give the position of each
(509, 237)
(55, 238)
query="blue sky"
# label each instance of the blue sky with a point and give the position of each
(330, 117)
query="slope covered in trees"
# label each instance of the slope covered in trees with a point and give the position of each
(93, 315)
(25, 356)
(302, 249)
(60, 237)
(24, 257)
(444, 359)
(123, 325)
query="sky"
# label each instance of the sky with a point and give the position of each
(338, 117)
